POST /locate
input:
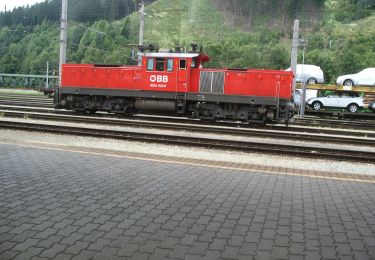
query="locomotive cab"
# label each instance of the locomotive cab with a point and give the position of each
(170, 71)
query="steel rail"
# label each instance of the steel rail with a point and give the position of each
(26, 99)
(367, 139)
(307, 121)
(30, 104)
(152, 122)
(36, 103)
(331, 123)
(311, 113)
(23, 95)
(34, 99)
(243, 146)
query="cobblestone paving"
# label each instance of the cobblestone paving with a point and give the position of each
(64, 205)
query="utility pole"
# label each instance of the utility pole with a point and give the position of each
(63, 28)
(141, 30)
(303, 43)
(142, 23)
(47, 76)
(293, 60)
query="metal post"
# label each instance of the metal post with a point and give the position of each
(141, 30)
(303, 99)
(142, 23)
(293, 60)
(64, 25)
(47, 79)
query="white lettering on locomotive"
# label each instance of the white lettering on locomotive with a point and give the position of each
(159, 78)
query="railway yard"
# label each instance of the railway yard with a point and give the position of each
(187, 130)
(100, 186)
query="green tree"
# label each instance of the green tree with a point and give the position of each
(9, 64)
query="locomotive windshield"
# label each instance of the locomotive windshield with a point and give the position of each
(182, 64)
(170, 65)
(150, 64)
(160, 64)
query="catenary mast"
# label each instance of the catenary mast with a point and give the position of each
(63, 28)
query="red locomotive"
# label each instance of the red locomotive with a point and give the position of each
(176, 84)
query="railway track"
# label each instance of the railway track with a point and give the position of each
(336, 123)
(183, 140)
(342, 115)
(288, 133)
(312, 149)
(26, 100)
(314, 124)
(35, 101)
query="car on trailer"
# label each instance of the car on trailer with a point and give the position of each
(351, 101)
(311, 74)
(365, 77)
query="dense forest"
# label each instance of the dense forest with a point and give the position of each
(81, 11)
(235, 33)
(235, 10)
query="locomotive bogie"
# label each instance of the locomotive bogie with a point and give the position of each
(195, 109)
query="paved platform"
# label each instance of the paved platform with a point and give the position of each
(57, 204)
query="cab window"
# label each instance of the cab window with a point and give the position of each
(182, 64)
(160, 64)
(150, 64)
(170, 65)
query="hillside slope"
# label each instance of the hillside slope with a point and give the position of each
(337, 45)
(180, 22)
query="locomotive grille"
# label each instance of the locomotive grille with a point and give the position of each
(211, 82)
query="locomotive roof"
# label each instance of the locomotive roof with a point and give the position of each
(170, 55)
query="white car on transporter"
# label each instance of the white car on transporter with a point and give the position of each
(365, 77)
(350, 101)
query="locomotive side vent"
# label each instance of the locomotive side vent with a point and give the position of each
(211, 82)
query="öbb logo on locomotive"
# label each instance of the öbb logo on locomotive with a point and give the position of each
(159, 78)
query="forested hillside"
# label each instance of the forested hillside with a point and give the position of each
(81, 11)
(235, 33)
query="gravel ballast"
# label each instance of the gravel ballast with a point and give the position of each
(189, 152)
(228, 137)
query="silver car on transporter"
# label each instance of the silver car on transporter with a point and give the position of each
(311, 74)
